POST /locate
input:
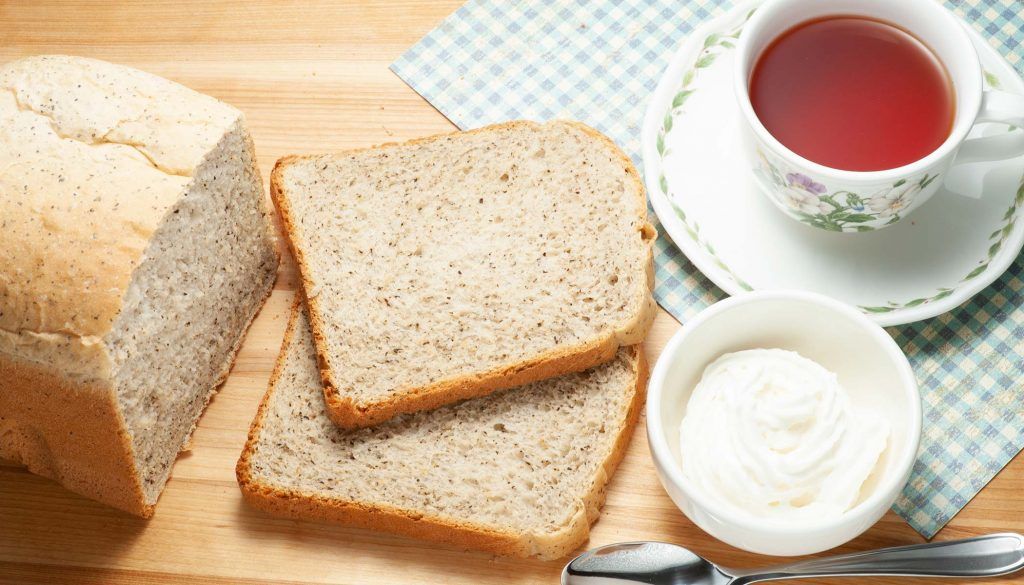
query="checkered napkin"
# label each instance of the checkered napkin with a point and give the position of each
(598, 60)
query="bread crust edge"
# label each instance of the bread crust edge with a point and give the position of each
(73, 435)
(347, 414)
(546, 546)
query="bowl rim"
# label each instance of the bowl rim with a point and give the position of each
(884, 494)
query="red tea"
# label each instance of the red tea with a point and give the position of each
(853, 93)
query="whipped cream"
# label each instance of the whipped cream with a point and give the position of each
(773, 434)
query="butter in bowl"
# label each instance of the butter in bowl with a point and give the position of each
(783, 423)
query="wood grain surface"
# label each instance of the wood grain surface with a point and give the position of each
(311, 77)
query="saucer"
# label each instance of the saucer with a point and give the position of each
(706, 197)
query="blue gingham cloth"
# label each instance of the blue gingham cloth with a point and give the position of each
(598, 60)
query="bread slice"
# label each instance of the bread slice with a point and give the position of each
(452, 266)
(136, 247)
(518, 473)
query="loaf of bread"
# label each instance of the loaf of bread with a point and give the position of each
(520, 472)
(135, 249)
(453, 266)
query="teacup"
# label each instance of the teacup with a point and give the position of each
(856, 201)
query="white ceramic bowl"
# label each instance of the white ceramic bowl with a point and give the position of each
(870, 366)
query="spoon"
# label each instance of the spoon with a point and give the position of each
(659, 563)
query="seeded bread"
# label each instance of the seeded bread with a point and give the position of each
(521, 472)
(452, 266)
(135, 249)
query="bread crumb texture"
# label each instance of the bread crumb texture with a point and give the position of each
(453, 256)
(525, 462)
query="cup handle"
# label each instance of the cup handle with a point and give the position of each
(1002, 107)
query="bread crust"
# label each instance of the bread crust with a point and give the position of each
(73, 433)
(346, 413)
(546, 546)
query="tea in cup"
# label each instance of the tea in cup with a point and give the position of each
(857, 109)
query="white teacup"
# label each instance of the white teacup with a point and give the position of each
(853, 201)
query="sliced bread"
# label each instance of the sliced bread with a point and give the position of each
(456, 265)
(521, 472)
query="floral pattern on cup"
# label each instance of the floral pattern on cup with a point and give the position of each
(841, 210)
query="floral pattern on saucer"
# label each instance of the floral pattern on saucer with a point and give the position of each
(998, 238)
(838, 211)
(714, 44)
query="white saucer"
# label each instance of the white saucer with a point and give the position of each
(702, 190)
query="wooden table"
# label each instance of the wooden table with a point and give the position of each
(310, 77)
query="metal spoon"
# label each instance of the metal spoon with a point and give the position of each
(659, 563)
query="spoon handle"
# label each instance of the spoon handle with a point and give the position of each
(982, 556)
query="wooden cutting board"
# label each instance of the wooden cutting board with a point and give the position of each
(311, 77)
